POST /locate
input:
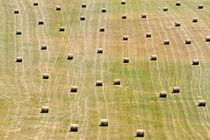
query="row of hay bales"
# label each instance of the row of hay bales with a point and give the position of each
(162, 94)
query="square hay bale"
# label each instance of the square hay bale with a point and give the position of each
(18, 32)
(125, 37)
(177, 24)
(18, 59)
(70, 57)
(45, 76)
(58, 8)
(74, 89)
(153, 58)
(36, 4)
(201, 103)
(103, 10)
(139, 133)
(16, 11)
(200, 6)
(43, 47)
(102, 29)
(178, 3)
(123, 2)
(82, 18)
(148, 35)
(40, 22)
(188, 41)
(84, 5)
(104, 122)
(99, 83)
(166, 42)
(117, 82)
(100, 50)
(74, 127)
(195, 20)
(143, 16)
(124, 17)
(195, 62)
(62, 29)
(207, 39)
(126, 60)
(44, 109)
(176, 90)
(162, 94)
(165, 9)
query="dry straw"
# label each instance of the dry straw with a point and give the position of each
(18, 59)
(117, 82)
(99, 83)
(201, 103)
(176, 90)
(163, 94)
(153, 58)
(100, 50)
(74, 88)
(70, 57)
(45, 76)
(44, 109)
(16, 11)
(125, 60)
(58, 8)
(104, 122)
(43, 47)
(195, 62)
(148, 35)
(166, 42)
(139, 133)
(74, 127)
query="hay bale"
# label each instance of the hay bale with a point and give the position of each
(124, 17)
(123, 2)
(16, 11)
(103, 10)
(178, 3)
(104, 122)
(139, 133)
(166, 42)
(195, 62)
(125, 37)
(148, 35)
(207, 39)
(102, 29)
(82, 18)
(35, 3)
(143, 16)
(165, 9)
(176, 90)
(62, 29)
(99, 83)
(40, 22)
(70, 57)
(45, 76)
(153, 58)
(18, 32)
(177, 24)
(162, 94)
(195, 20)
(18, 59)
(58, 8)
(44, 109)
(188, 41)
(43, 47)
(201, 103)
(126, 60)
(74, 127)
(200, 6)
(100, 50)
(117, 82)
(84, 5)
(74, 89)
